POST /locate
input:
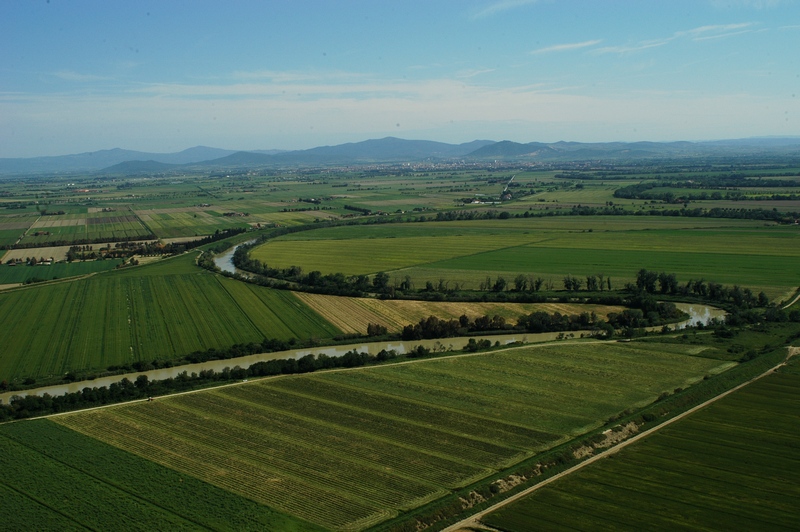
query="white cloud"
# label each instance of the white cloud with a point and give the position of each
(566, 47)
(499, 7)
(701, 33)
(168, 117)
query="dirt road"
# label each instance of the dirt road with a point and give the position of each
(473, 522)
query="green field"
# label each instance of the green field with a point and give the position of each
(731, 466)
(348, 449)
(171, 223)
(57, 479)
(59, 270)
(157, 312)
(80, 227)
(746, 253)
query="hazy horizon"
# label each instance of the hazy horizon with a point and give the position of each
(161, 77)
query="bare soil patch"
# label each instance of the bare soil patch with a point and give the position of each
(57, 252)
(45, 222)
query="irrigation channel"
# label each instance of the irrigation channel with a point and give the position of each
(699, 314)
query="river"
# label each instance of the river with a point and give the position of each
(699, 314)
(373, 348)
(225, 261)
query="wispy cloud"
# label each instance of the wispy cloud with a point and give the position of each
(565, 47)
(624, 49)
(701, 33)
(465, 74)
(712, 30)
(499, 7)
(294, 76)
(69, 75)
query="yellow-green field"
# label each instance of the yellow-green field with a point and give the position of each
(349, 449)
(353, 315)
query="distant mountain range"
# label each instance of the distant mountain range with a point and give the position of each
(388, 150)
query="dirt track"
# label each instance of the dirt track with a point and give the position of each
(792, 302)
(473, 522)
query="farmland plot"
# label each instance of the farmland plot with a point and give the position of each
(348, 449)
(57, 479)
(466, 253)
(731, 466)
(123, 317)
(353, 315)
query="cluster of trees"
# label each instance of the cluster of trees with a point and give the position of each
(142, 387)
(540, 322)
(356, 208)
(451, 216)
(644, 312)
(649, 191)
(127, 249)
(651, 282)
(594, 283)
(79, 241)
(744, 316)
(315, 281)
(433, 327)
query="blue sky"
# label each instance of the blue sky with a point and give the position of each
(163, 76)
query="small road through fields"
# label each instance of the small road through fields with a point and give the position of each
(793, 301)
(473, 522)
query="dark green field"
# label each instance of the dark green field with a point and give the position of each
(730, 252)
(731, 466)
(56, 479)
(59, 270)
(157, 312)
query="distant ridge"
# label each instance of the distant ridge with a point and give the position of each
(390, 150)
(139, 167)
(98, 160)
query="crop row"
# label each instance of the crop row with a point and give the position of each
(81, 499)
(303, 494)
(422, 433)
(191, 499)
(337, 472)
(119, 318)
(466, 414)
(335, 439)
(534, 387)
(512, 420)
(732, 465)
(345, 449)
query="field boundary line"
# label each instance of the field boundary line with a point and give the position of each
(473, 521)
(476, 254)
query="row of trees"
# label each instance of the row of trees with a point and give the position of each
(142, 387)
(644, 312)
(433, 327)
(651, 282)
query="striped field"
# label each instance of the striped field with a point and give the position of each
(348, 449)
